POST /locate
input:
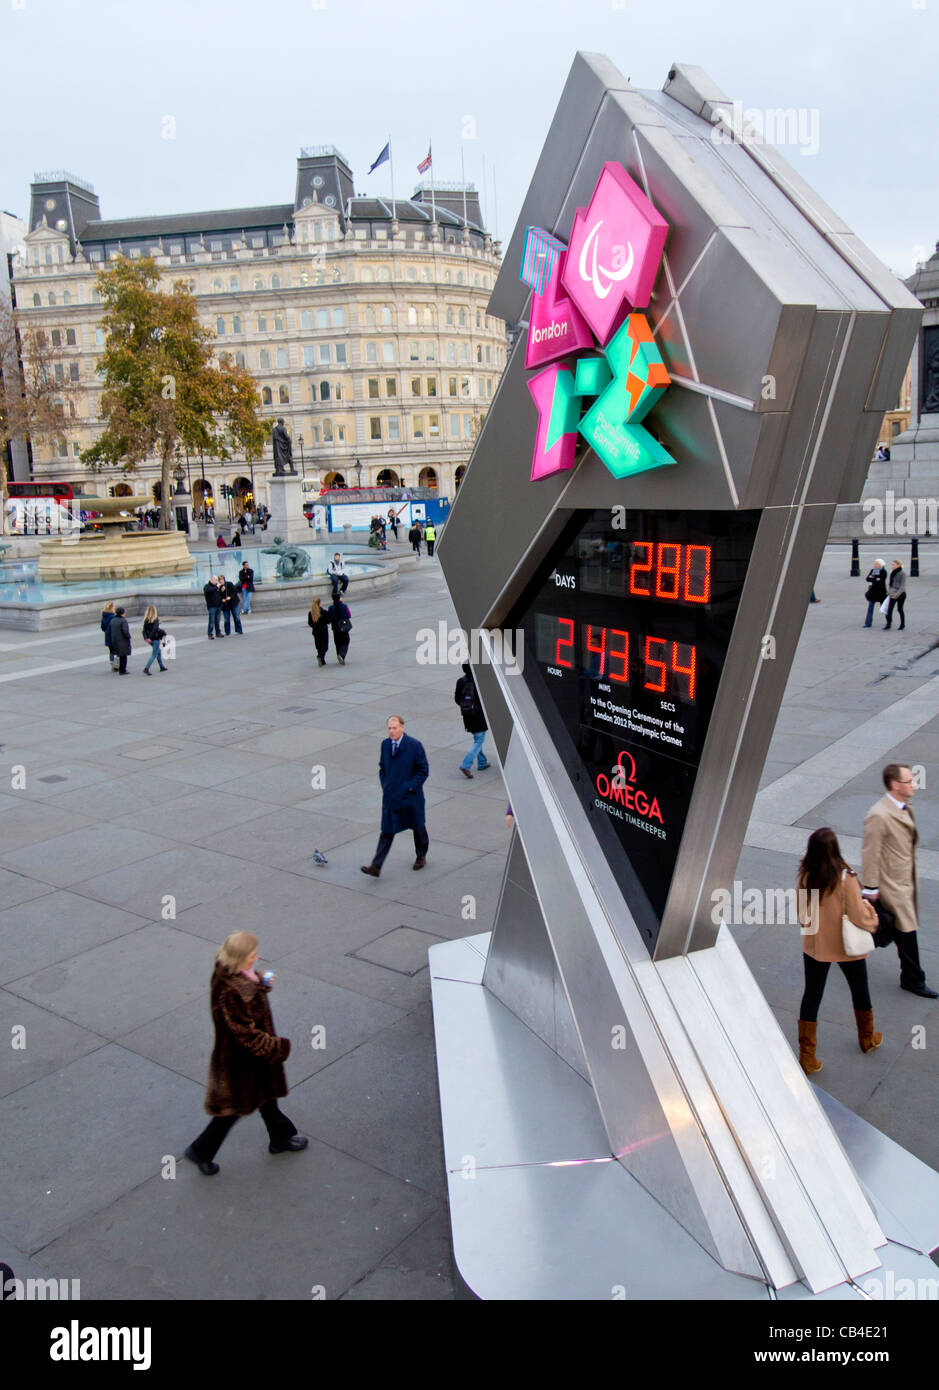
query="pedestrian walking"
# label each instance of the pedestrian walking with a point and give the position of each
(154, 634)
(340, 620)
(829, 888)
(319, 625)
(246, 584)
(106, 616)
(393, 522)
(876, 589)
(896, 595)
(337, 575)
(888, 868)
(119, 639)
(213, 603)
(402, 772)
(414, 536)
(246, 1072)
(474, 720)
(231, 605)
(430, 536)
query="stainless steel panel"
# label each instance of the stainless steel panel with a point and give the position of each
(907, 1188)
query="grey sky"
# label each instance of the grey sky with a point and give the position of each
(87, 87)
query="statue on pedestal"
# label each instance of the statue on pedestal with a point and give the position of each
(931, 373)
(283, 450)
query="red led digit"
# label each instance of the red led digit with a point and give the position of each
(636, 568)
(697, 589)
(601, 650)
(667, 570)
(690, 670)
(567, 641)
(651, 662)
(623, 656)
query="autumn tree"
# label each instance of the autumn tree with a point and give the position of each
(164, 390)
(37, 394)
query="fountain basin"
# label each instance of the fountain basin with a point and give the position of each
(129, 555)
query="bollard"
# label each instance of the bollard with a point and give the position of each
(855, 560)
(914, 558)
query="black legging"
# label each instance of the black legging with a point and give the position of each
(816, 973)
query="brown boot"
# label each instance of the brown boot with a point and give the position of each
(808, 1033)
(867, 1038)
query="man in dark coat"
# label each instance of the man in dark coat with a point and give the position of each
(231, 603)
(474, 721)
(402, 771)
(213, 603)
(119, 639)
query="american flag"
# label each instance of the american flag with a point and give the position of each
(425, 163)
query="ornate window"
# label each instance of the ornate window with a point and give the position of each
(283, 395)
(266, 396)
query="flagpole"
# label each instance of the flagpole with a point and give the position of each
(463, 173)
(433, 200)
(391, 161)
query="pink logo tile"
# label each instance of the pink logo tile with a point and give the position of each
(555, 327)
(614, 253)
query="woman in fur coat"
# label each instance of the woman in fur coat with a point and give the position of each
(246, 1072)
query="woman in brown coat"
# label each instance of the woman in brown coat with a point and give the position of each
(831, 890)
(247, 1068)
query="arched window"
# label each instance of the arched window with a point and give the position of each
(220, 327)
(462, 318)
(264, 359)
(479, 318)
(259, 282)
(51, 298)
(275, 282)
(428, 316)
(369, 316)
(386, 319)
(67, 297)
(449, 316)
(327, 431)
(324, 390)
(412, 316)
(266, 397)
(236, 324)
(279, 323)
(37, 301)
(337, 390)
(283, 395)
(240, 359)
(262, 323)
(70, 338)
(460, 278)
(479, 352)
(384, 274)
(56, 338)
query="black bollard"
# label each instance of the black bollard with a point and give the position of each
(914, 558)
(855, 560)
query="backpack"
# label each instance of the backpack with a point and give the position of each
(468, 700)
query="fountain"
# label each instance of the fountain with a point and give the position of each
(112, 552)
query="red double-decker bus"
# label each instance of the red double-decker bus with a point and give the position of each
(46, 508)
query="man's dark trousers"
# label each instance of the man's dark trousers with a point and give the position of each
(421, 845)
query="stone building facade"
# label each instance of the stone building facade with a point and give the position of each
(364, 324)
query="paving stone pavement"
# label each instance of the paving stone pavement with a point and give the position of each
(141, 821)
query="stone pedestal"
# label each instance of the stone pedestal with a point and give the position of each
(286, 503)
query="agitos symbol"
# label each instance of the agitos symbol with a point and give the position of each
(611, 264)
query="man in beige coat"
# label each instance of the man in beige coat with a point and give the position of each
(888, 869)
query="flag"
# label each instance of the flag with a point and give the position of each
(382, 158)
(426, 163)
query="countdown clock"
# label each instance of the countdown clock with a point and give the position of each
(626, 629)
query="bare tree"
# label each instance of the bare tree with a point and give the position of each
(37, 395)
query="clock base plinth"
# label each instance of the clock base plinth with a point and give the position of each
(541, 1210)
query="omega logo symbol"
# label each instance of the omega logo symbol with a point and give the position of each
(623, 263)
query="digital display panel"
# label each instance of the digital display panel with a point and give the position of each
(626, 629)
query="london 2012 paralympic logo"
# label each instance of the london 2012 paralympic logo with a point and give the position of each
(581, 297)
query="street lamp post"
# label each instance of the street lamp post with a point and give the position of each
(358, 474)
(302, 464)
(205, 509)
